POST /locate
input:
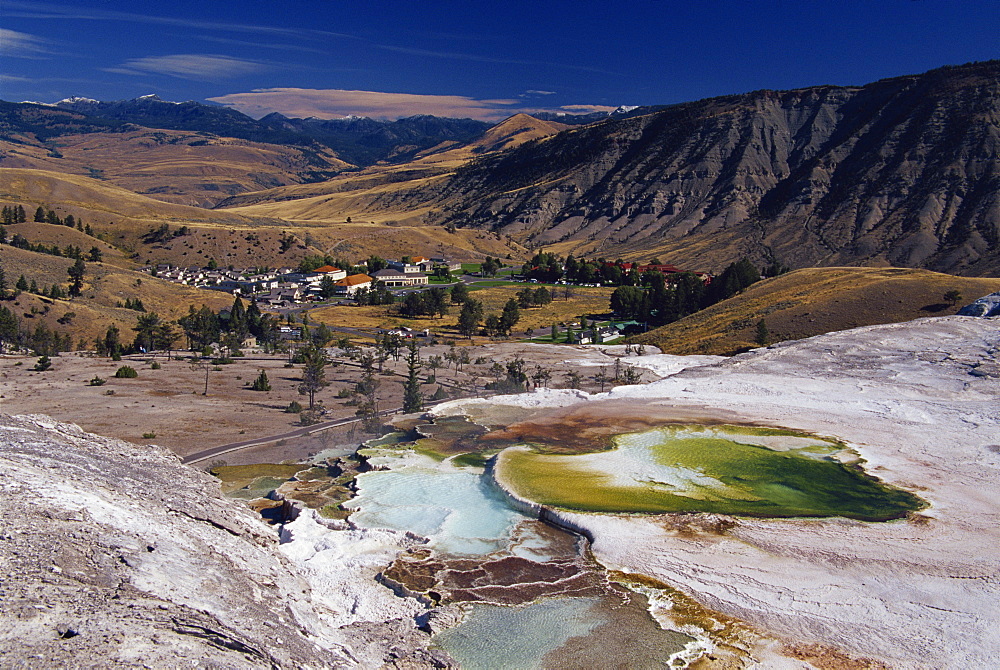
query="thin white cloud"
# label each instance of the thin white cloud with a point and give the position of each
(22, 45)
(488, 59)
(190, 66)
(257, 44)
(533, 92)
(47, 10)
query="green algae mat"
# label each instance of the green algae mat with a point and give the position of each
(736, 470)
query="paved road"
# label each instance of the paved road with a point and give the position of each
(298, 432)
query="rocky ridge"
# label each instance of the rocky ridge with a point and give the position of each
(116, 555)
(902, 171)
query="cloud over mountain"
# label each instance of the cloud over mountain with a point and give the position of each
(336, 103)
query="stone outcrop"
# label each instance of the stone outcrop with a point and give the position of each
(116, 555)
(988, 305)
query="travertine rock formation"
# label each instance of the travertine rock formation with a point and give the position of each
(116, 555)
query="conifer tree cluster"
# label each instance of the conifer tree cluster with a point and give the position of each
(655, 302)
(11, 215)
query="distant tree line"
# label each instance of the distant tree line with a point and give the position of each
(655, 302)
(164, 234)
(11, 215)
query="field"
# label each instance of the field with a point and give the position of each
(582, 301)
(169, 406)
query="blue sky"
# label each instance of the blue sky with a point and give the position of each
(479, 59)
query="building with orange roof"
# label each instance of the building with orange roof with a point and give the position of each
(351, 284)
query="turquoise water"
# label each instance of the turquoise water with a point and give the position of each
(459, 512)
(502, 638)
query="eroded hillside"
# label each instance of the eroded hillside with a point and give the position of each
(904, 171)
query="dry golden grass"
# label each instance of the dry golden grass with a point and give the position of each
(96, 201)
(183, 167)
(123, 218)
(583, 301)
(105, 285)
(380, 193)
(815, 301)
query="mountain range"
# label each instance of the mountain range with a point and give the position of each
(357, 140)
(903, 171)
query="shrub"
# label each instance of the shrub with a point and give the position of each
(98, 381)
(293, 407)
(261, 383)
(43, 364)
(439, 394)
(224, 360)
(155, 365)
(308, 418)
(149, 436)
(126, 372)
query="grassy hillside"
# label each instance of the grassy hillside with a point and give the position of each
(387, 192)
(124, 220)
(813, 301)
(105, 285)
(182, 167)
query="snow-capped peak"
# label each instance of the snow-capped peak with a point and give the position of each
(76, 99)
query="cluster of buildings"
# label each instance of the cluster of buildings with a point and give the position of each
(288, 286)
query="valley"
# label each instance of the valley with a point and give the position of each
(680, 385)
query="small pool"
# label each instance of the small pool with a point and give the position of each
(737, 470)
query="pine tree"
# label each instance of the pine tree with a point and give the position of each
(261, 383)
(468, 320)
(413, 399)
(313, 373)
(763, 337)
(40, 215)
(459, 294)
(509, 317)
(8, 327)
(76, 276)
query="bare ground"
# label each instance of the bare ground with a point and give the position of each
(169, 406)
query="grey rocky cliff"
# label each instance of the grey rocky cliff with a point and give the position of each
(116, 555)
(903, 171)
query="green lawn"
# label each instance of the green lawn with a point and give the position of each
(492, 284)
